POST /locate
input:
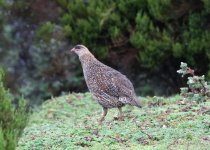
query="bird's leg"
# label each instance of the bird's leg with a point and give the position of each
(105, 110)
(120, 114)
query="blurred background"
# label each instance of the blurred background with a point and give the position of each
(144, 39)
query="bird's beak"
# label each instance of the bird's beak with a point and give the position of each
(73, 50)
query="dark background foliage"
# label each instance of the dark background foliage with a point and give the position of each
(144, 39)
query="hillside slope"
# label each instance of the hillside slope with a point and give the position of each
(70, 122)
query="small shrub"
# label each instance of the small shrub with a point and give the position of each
(198, 89)
(12, 119)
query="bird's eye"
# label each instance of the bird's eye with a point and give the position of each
(77, 47)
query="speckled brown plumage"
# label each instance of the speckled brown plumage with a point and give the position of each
(108, 86)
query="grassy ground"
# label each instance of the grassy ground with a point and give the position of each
(70, 122)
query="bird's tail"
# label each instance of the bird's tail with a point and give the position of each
(132, 101)
(136, 102)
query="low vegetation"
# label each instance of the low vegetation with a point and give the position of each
(70, 122)
(198, 89)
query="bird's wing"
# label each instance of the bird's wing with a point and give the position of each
(119, 84)
(122, 87)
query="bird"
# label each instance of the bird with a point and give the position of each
(109, 87)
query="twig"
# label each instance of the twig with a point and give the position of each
(142, 130)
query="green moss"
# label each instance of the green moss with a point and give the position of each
(70, 122)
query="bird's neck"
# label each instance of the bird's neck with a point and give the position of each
(86, 59)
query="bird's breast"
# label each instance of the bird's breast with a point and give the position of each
(95, 78)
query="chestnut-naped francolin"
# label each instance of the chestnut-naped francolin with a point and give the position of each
(108, 86)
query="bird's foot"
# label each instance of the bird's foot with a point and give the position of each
(120, 118)
(100, 121)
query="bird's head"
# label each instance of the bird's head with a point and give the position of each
(80, 50)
